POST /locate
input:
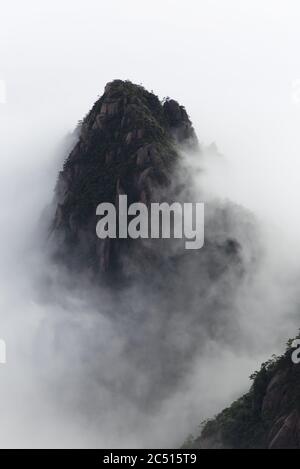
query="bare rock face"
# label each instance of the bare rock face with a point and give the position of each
(267, 417)
(179, 122)
(128, 143)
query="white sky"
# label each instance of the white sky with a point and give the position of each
(231, 63)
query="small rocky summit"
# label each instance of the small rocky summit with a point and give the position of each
(127, 144)
(268, 416)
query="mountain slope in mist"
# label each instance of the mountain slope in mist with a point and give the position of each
(268, 416)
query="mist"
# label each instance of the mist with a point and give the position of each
(78, 373)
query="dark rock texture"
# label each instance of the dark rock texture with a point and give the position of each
(128, 144)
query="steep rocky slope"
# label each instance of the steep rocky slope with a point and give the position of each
(268, 416)
(127, 145)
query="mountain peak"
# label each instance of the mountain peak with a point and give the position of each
(139, 115)
(128, 143)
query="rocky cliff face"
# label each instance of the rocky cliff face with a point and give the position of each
(268, 416)
(128, 144)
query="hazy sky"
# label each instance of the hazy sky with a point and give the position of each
(232, 64)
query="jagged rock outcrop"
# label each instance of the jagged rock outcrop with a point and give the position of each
(128, 144)
(268, 416)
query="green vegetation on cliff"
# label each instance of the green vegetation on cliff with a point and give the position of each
(266, 417)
